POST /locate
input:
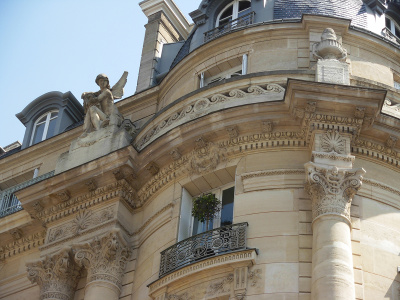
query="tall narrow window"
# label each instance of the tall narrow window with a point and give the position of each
(392, 26)
(232, 11)
(44, 127)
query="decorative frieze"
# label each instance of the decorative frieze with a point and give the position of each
(153, 168)
(176, 154)
(267, 126)
(332, 141)
(56, 275)
(91, 185)
(233, 132)
(203, 106)
(22, 244)
(220, 287)
(63, 195)
(118, 189)
(205, 156)
(84, 220)
(332, 189)
(104, 258)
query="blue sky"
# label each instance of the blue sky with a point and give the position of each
(62, 45)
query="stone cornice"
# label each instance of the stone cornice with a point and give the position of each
(22, 245)
(229, 259)
(74, 204)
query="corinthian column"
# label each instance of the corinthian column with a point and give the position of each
(332, 184)
(105, 259)
(56, 275)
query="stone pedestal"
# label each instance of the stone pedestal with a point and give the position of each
(96, 144)
(332, 71)
(332, 184)
(105, 259)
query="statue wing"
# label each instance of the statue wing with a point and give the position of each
(118, 89)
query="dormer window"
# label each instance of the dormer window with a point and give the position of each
(232, 11)
(44, 127)
(235, 15)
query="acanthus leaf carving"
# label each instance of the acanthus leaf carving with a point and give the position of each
(332, 189)
(56, 275)
(104, 258)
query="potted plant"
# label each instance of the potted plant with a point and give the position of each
(205, 208)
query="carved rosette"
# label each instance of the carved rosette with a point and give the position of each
(104, 258)
(332, 189)
(57, 275)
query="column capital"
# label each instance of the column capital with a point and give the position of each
(57, 275)
(104, 258)
(332, 189)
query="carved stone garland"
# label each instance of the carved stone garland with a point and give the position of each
(57, 275)
(104, 258)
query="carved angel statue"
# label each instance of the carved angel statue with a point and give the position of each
(99, 107)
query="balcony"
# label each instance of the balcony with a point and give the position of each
(242, 21)
(207, 244)
(390, 36)
(9, 203)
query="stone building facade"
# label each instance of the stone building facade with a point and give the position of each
(286, 110)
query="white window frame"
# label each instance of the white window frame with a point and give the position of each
(46, 126)
(235, 10)
(186, 222)
(218, 194)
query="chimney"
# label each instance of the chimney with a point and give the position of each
(166, 24)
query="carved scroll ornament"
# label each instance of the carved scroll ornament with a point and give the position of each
(332, 190)
(57, 275)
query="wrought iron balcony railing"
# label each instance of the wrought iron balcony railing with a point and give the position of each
(390, 36)
(213, 242)
(9, 203)
(242, 21)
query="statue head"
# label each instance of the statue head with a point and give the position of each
(328, 34)
(101, 76)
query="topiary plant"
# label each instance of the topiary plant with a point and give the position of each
(206, 207)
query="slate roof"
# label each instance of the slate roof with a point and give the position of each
(348, 9)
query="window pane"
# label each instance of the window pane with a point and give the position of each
(54, 114)
(38, 133)
(50, 130)
(43, 119)
(227, 13)
(227, 206)
(397, 31)
(199, 227)
(387, 23)
(244, 5)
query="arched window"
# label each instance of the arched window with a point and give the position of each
(44, 127)
(392, 26)
(232, 11)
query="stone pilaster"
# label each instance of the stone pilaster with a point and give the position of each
(105, 260)
(56, 275)
(332, 183)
